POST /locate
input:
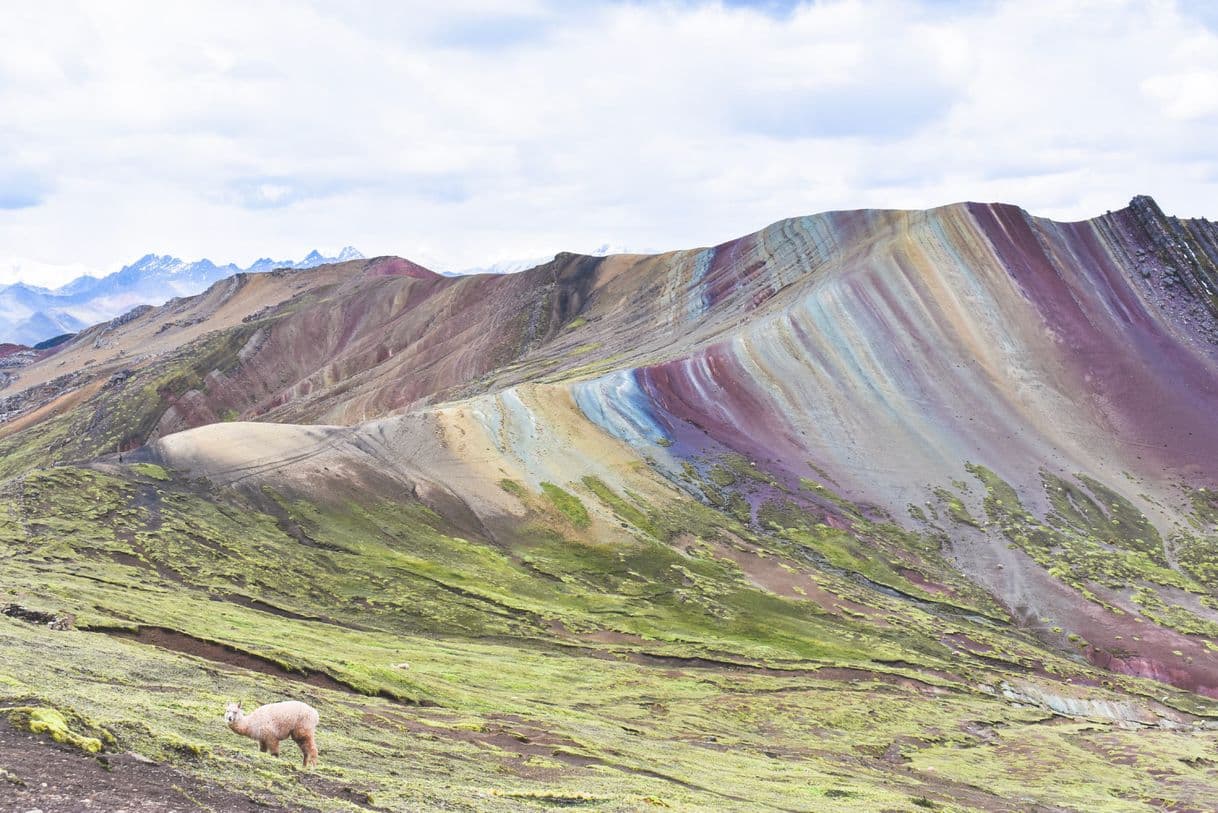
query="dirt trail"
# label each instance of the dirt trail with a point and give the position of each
(230, 656)
(37, 774)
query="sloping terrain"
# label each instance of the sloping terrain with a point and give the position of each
(868, 510)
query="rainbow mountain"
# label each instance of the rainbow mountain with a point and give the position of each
(866, 509)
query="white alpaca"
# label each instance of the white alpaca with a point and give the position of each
(277, 721)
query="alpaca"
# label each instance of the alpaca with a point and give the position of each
(277, 721)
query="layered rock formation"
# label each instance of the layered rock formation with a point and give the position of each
(967, 439)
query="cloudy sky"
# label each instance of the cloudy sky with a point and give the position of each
(514, 128)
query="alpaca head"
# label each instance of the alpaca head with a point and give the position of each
(232, 713)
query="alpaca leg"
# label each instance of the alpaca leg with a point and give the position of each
(274, 746)
(308, 748)
(262, 746)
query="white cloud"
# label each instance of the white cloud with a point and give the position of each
(1185, 96)
(18, 269)
(491, 130)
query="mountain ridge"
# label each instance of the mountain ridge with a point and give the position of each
(935, 489)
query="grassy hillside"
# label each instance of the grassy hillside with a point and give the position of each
(554, 671)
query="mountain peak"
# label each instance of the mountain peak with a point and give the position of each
(153, 263)
(315, 258)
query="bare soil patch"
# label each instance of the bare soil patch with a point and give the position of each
(220, 653)
(50, 620)
(39, 774)
(230, 656)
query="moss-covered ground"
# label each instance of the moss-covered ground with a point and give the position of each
(1093, 537)
(696, 662)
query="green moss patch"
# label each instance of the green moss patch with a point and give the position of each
(567, 504)
(151, 470)
(57, 725)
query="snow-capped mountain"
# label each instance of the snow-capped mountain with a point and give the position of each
(512, 266)
(503, 266)
(30, 314)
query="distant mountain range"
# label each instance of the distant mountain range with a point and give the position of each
(517, 265)
(30, 314)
